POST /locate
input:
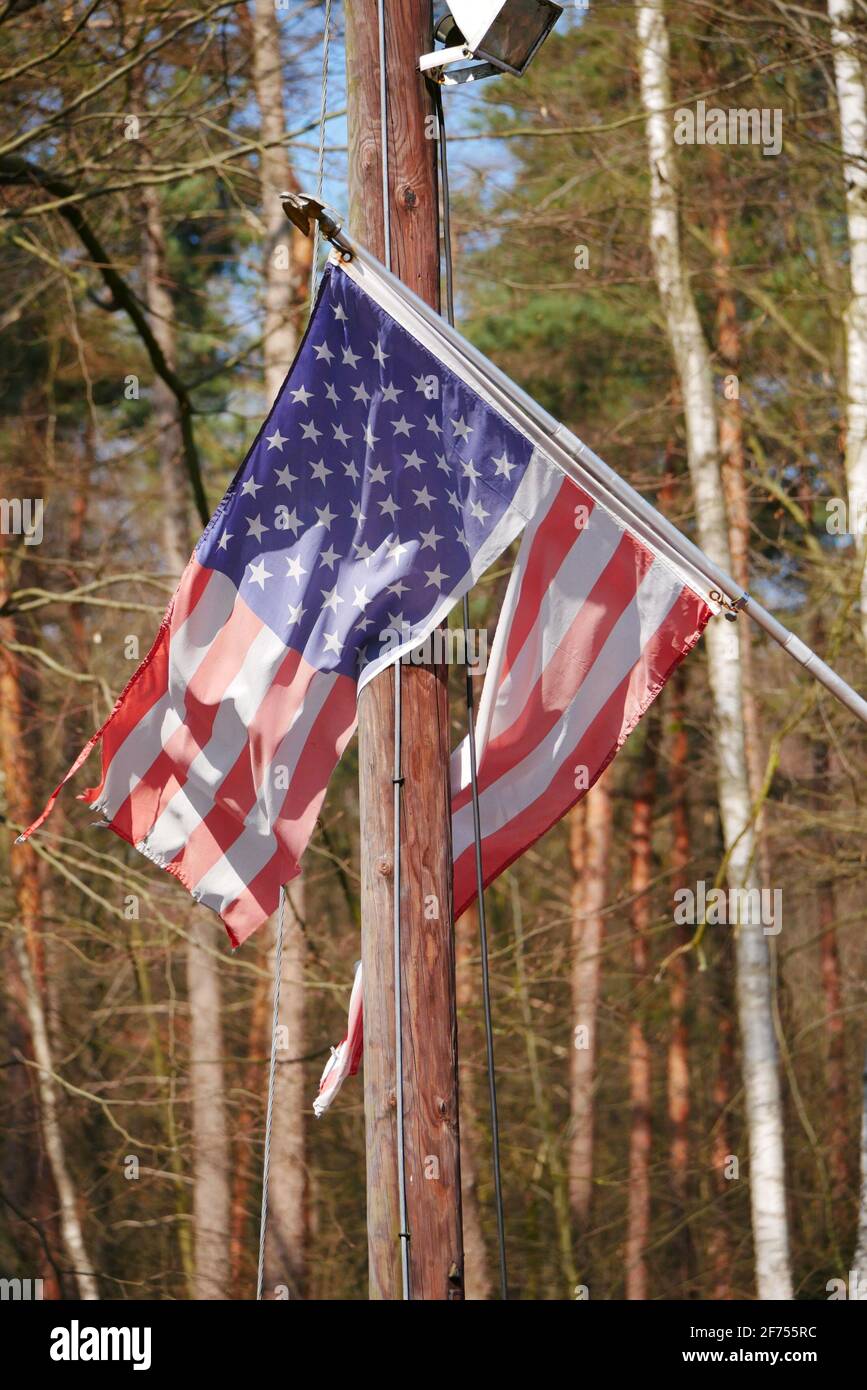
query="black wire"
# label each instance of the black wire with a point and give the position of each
(471, 730)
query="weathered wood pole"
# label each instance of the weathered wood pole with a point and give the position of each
(431, 1141)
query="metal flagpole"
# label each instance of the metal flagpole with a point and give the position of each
(579, 462)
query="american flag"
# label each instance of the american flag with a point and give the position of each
(379, 489)
(592, 625)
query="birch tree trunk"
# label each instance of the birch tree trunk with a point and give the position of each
(852, 104)
(211, 1158)
(589, 897)
(759, 1048)
(287, 1197)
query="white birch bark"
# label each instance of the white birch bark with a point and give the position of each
(70, 1225)
(287, 1198)
(758, 1043)
(852, 106)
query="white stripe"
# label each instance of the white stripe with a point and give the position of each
(229, 737)
(229, 877)
(188, 645)
(526, 781)
(562, 604)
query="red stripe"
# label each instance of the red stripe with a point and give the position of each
(676, 636)
(237, 794)
(559, 682)
(203, 695)
(151, 681)
(551, 544)
(329, 736)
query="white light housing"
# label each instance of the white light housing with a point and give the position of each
(505, 33)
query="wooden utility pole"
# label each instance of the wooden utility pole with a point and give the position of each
(429, 1034)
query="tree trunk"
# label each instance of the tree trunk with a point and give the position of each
(477, 1278)
(590, 894)
(759, 1048)
(858, 1279)
(677, 1060)
(285, 271)
(211, 1158)
(638, 1215)
(24, 875)
(852, 104)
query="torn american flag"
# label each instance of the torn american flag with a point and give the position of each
(379, 489)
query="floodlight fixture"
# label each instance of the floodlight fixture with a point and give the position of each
(501, 35)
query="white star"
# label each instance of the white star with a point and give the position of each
(329, 556)
(301, 394)
(453, 500)
(429, 538)
(296, 612)
(377, 474)
(360, 600)
(339, 312)
(461, 536)
(250, 488)
(461, 427)
(391, 392)
(379, 354)
(284, 477)
(369, 437)
(291, 522)
(350, 357)
(364, 552)
(323, 351)
(309, 431)
(351, 471)
(395, 621)
(258, 573)
(324, 517)
(478, 511)
(435, 577)
(361, 393)
(357, 513)
(401, 426)
(470, 471)
(296, 569)
(340, 435)
(398, 587)
(413, 460)
(223, 541)
(395, 549)
(423, 498)
(276, 440)
(332, 394)
(442, 464)
(331, 598)
(318, 470)
(504, 467)
(390, 506)
(333, 643)
(255, 526)
(433, 424)
(421, 384)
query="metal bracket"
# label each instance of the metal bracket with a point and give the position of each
(730, 607)
(304, 211)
